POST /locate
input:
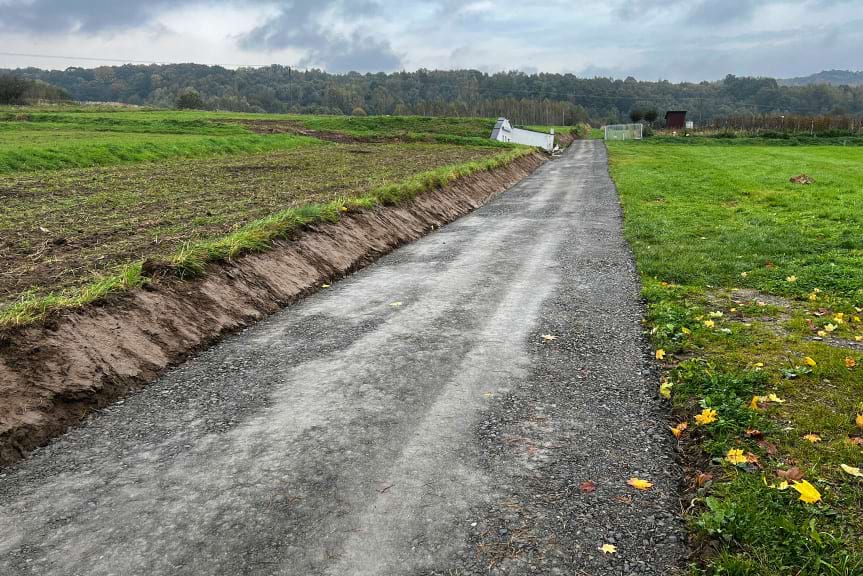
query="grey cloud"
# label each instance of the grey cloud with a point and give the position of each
(299, 25)
(89, 16)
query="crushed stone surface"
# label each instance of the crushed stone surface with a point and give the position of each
(409, 420)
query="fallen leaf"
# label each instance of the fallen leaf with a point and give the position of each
(814, 438)
(850, 362)
(587, 486)
(325, 285)
(686, 331)
(791, 279)
(754, 404)
(665, 389)
(735, 456)
(709, 323)
(608, 548)
(660, 354)
(808, 492)
(859, 421)
(703, 478)
(548, 337)
(781, 486)
(822, 334)
(395, 304)
(854, 440)
(774, 398)
(851, 470)
(744, 274)
(809, 361)
(830, 327)
(707, 416)
(793, 474)
(752, 459)
(768, 447)
(678, 430)
(717, 314)
(639, 484)
(754, 433)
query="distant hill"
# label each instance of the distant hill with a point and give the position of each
(832, 77)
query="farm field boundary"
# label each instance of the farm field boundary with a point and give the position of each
(58, 369)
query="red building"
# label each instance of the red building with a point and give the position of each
(675, 119)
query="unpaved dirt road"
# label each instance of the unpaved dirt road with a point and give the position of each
(409, 420)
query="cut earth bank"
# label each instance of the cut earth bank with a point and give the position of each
(54, 372)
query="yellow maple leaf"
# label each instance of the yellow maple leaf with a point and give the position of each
(859, 421)
(822, 333)
(660, 354)
(858, 338)
(808, 492)
(851, 470)
(754, 404)
(814, 438)
(774, 398)
(709, 323)
(678, 430)
(830, 327)
(791, 279)
(744, 274)
(639, 484)
(857, 319)
(608, 548)
(810, 361)
(735, 456)
(665, 389)
(813, 297)
(707, 416)
(850, 362)
(717, 314)
(686, 330)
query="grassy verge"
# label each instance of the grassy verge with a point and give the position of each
(754, 288)
(192, 258)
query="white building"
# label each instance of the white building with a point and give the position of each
(504, 132)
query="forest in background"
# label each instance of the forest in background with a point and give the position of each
(524, 98)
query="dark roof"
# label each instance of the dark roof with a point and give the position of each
(675, 112)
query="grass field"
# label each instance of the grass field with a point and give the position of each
(86, 196)
(754, 287)
(72, 138)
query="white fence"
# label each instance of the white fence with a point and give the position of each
(623, 132)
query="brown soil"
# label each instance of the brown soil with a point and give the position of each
(295, 127)
(54, 373)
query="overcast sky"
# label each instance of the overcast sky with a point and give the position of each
(648, 39)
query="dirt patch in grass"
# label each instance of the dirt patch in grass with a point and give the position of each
(53, 373)
(297, 127)
(58, 229)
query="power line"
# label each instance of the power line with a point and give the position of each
(129, 61)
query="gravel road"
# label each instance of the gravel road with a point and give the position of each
(410, 420)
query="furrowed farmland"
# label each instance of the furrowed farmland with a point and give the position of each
(87, 197)
(754, 287)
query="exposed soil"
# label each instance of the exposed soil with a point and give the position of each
(60, 228)
(295, 127)
(54, 373)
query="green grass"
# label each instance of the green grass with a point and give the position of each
(718, 231)
(37, 139)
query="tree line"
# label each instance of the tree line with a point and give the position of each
(15, 90)
(524, 98)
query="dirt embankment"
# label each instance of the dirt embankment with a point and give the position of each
(54, 373)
